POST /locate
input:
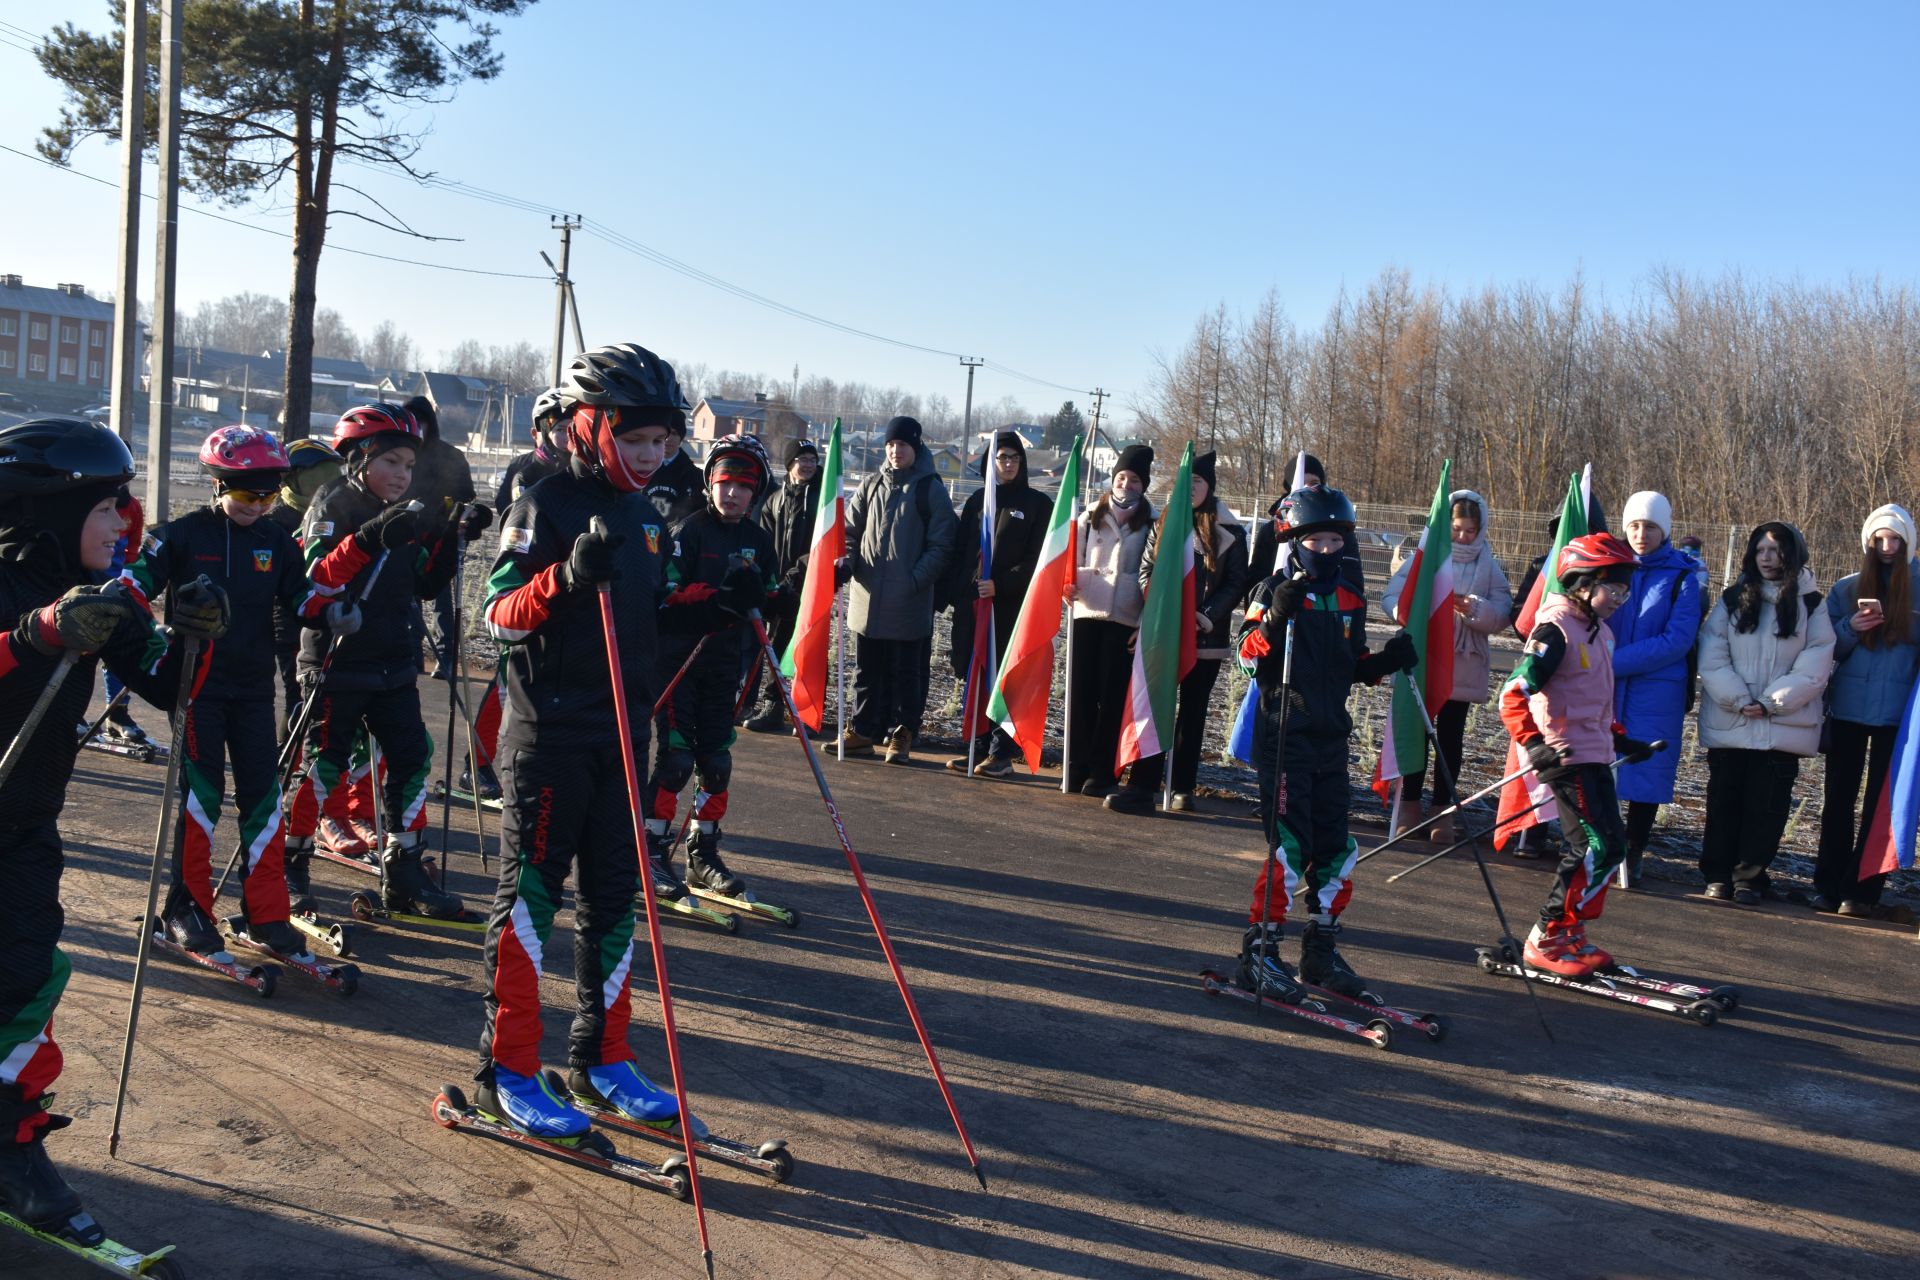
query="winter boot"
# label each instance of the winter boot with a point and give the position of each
(279, 937)
(899, 747)
(1321, 962)
(1261, 968)
(1554, 949)
(667, 886)
(299, 859)
(855, 743)
(706, 870)
(187, 925)
(770, 718)
(404, 886)
(619, 1086)
(1634, 854)
(529, 1104)
(488, 787)
(32, 1190)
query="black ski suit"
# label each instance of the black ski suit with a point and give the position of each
(677, 489)
(524, 472)
(788, 518)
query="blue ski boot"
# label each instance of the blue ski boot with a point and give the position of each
(530, 1105)
(619, 1086)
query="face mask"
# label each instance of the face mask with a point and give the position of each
(1126, 503)
(1321, 566)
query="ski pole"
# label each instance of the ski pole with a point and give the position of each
(162, 848)
(1450, 810)
(866, 898)
(617, 679)
(114, 701)
(18, 747)
(456, 701)
(739, 704)
(1279, 785)
(667, 692)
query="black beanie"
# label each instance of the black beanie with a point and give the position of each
(1314, 469)
(903, 428)
(1203, 467)
(1137, 458)
(422, 410)
(795, 448)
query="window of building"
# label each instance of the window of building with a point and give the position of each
(93, 371)
(68, 366)
(9, 327)
(69, 333)
(36, 364)
(37, 331)
(6, 358)
(99, 338)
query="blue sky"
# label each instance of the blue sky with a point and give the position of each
(1064, 188)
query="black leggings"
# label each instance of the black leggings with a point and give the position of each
(1189, 728)
(1451, 728)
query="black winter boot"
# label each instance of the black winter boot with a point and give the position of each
(1321, 963)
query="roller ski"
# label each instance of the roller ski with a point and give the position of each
(523, 1112)
(36, 1201)
(709, 880)
(281, 940)
(188, 934)
(336, 937)
(144, 752)
(408, 896)
(1265, 981)
(672, 894)
(1588, 978)
(462, 791)
(339, 844)
(1325, 974)
(647, 1111)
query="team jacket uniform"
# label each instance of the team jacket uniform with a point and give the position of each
(525, 471)
(678, 489)
(259, 568)
(564, 791)
(1562, 692)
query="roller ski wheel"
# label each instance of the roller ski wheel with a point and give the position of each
(1425, 1023)
(142, 753)
(1700, 1010)
(748, 905)
(259, 979)
(594, 1151)
(771, 1159)
(337, 938)
(108, 1254)
(344, 978)
(1726, 997)
(366, 907)
(1377, 1031)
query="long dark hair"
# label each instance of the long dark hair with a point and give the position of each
(1888, 584)
(1744, 598)
(1206, 524)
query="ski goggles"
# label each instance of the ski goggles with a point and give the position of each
(255, 496)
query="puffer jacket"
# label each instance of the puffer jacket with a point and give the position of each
(1870, 686)
(1786, 675)
(1653, 632)
(1475, 573)
(1107, 576)
(1216, 591)
(897, 555)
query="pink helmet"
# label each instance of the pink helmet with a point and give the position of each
(244, 456)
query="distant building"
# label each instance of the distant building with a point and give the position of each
(472, 410)
(773, 420)
(59, 335)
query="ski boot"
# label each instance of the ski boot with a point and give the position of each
(1553, 949)
(344, 840)
(705, 870)
(771, 718)
(1321, 962)
(619, 1086)
(1589, 954)
(667, 886)
(188, 926)
(404, 886)
(120, 728)
(298, 862)
(488, 786)
(529, 1104)
(1261, 970)
(279, 936)
(32, 1190)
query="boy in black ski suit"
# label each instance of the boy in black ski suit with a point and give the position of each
(1310, 843)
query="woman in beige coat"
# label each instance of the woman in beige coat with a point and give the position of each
(1765, 656)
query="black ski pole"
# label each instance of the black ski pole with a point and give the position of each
(1279, 802)
(17, 749)
(88, 734)
(456, 684)
(1455, 808)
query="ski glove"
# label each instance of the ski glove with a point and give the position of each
(1398, 654)
(1632, 750)
(1284, 601)
(1544, 758)
(82, 621)
(475, 522)
(343, 619)
(740, 591)
(591, 562)
(200, 610)
(392, 528)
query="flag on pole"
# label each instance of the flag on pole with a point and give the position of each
(1165, 649)
(1890, 832)
(1025, 686)
(980, 673)
(1240, 741)
(805, 662)
(1426, 611)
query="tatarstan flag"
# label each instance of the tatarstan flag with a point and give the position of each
(805, 662)
(1426, 611)
(1891, 831)
(1164, 651)
(1025, 686)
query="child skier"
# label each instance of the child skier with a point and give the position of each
(362, 662)
(722, 565)
(566, 794)
(1309, 837)
(311, 466)
(1558, 705)
(257, 564)
(58, 526)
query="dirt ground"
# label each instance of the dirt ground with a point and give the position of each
(1129, 1125)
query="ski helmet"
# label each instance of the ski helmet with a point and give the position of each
(244, 457)
(53, 455)
(310, 464)
(549, 410)
(368, 430)
(615, 389)
(1314, 510)
(739, 456)
(1599, 556)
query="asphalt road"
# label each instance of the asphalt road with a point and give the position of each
(1129, 1125)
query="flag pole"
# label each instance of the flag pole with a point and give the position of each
(840, 666)
(1393, 819)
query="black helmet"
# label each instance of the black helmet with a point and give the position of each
(1311, 510)
(628, 376)
(740, 449)
(53, 455)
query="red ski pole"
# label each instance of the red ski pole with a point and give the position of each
(866, 897)
(618, 681)
(672, 684)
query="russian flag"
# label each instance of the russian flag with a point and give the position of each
(1890, 833)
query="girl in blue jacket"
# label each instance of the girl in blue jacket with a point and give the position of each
(1652, 635)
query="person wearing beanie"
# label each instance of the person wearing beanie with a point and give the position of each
(1020, 521)
(1876, 652)
(900, 536)
(1654, 634)
(442, 481)
(1109, 539)
(787, 517)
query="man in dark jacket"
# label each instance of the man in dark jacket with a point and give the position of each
(900, 528)
(788, 516)
(1019, 528)
(441, 476)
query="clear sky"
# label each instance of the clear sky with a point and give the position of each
(1063, 188)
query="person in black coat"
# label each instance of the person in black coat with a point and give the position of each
(788, 516)
(442, 481)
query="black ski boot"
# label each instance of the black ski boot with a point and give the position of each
(667, 886)
(278, 936)
(187, 925)
(298, 863)
(1322, 965)
(1261, 968)
(704, 867)
(32, 1190)
(488, 786)
(404, 886)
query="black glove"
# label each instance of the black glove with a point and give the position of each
(591, 562)
(1285, 600)
(1632, 750)
(1545, 759)
(741, 590)
(200, 610)
(475, 522)
(1398, 654)
(81, 621)
(394, 527)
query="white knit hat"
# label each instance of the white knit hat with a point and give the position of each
(1650, 506)
(1893, 517)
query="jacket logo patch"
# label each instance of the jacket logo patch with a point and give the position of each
(263, 560)
(653, 539)
(149, 545)
(321, 529)
(1584, 663)
(519, 541)
(1017, 514)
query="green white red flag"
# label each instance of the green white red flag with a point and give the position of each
(1025, 686)
(1166, 647)
(1426, 611)
(805, 662)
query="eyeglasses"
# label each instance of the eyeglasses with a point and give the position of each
(1617, 590)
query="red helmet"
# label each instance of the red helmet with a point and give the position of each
(1599, 554)
(244, 456)
(363, 425)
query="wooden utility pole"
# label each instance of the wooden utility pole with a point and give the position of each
(124, 379)
(166, 242)
(561, 287)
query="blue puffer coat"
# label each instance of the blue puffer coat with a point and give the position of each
(1652, 633)
(1870, 686)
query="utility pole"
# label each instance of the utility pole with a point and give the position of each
(566, 225)
(966, 430)
(125, 374)
(166, 240)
